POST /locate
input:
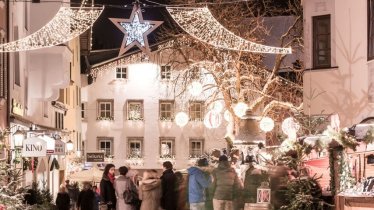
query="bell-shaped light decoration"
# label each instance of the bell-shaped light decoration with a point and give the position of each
(290, 127)
(212, 119)
(181, 119)
(69, 146)
(195, 88)
(240, 109)
(227, 116)
(217, 106)
(266, 124)
(18, 136)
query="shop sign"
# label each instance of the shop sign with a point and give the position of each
(96, 157)
(34, 147)
(59, 147)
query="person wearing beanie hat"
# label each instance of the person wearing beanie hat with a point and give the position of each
(198, 181)
(226, 185)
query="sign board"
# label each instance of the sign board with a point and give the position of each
(50, 144)
(34, 147)
(96, 157)
(59, 147)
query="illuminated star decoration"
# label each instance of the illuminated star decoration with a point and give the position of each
(136, 30)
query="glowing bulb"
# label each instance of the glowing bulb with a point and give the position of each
(217, 106)
(267, 124)
(195, 88)
(212, 119)
(290, 127)
(240, 109)
(181, 119)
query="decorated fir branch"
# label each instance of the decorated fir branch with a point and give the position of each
(105, 118)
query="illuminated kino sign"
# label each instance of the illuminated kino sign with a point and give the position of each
(34, 147)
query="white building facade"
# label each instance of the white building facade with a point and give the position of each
(339, 52)
(130, 114)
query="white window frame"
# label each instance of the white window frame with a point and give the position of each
(193, 151)
(83, 110)
(134, 140)
(105, 140)
(171, 141)
(106, 113)
(121, 73)
(193, 112)
(163, 113)
(135, 102)
(165, 73)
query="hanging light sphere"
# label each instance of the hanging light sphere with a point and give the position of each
(181, 119)
(266, 124)
(289, 126)
(227, 116)
(212, 119)
(240, 109)
(195, 88)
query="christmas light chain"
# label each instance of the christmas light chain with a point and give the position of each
(66, 25)
(201, 24)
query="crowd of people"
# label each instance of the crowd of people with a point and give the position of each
(200, 189)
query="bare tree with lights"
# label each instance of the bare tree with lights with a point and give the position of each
(241, 76)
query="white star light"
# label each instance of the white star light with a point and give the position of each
(135, 30)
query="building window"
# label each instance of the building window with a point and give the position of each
(196, 148)
(167, 149)
(166, 110)
(121, 73)
(59, 120)
(105, 109)
(194, 73)
(370, 29)
(196, 111)
(83, 110)
(321, 41)
(165, 72)
(45, 109)
(135, 110)
(135, 147)
(105, 144)
(17, 70)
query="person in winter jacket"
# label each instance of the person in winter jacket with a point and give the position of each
(198, 181)
(63, 199)
(150, 191)
(226, 185)
(86, 199)
(121, 184)
(107, 192)
(169, 193)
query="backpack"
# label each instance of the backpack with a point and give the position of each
(130, 195)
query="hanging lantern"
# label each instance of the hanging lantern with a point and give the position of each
(227, 115)
(195, 88)
(212, 119)
(290, 127)
(263, 193)
(69, 146)
(181, 119)
(240, 109)
(266, 124)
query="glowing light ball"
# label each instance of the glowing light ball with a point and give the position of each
(217, 106)
(227, 116)
(181, 119)
(212, 119)
(290, 126)
(195, 88)
(266, 124)
(240, 109)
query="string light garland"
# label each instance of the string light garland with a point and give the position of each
(201, 24)
(68, 23)
(136, 30)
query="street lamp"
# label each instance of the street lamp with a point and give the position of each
(18, 139)
(69, 146)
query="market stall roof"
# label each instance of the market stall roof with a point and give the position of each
(93, 175)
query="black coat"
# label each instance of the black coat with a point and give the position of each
(63, 201)
(87, 200)
(107, 193)
(169, 190)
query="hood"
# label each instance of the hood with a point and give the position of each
(194, 170)
(150, 184)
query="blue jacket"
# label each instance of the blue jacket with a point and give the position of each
(197, 182)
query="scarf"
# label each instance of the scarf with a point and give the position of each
(111, 177)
